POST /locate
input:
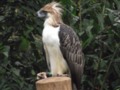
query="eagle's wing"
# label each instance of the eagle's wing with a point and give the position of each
(72, 52)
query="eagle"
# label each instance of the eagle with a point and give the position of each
(62, 47)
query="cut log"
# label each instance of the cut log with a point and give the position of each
(54, 83)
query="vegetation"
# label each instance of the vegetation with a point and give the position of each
(97, 23)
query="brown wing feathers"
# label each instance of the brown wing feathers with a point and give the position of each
(72, 52)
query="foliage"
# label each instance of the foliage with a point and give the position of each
(97, 24)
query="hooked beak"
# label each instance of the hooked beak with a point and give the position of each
(42, 14)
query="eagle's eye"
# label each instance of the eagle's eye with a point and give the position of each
(43, 12)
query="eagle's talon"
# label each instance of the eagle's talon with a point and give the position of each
(41, 75)
(62, 75)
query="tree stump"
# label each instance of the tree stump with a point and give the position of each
(54, 83)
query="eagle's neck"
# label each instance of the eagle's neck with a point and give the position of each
(54, 21)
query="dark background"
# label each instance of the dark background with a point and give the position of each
(97, 23)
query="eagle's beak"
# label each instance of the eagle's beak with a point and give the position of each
(42, 14)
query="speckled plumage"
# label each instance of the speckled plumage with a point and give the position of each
(72, 52)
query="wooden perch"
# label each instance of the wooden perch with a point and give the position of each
(54, 83)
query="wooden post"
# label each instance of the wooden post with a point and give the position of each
(54, 83)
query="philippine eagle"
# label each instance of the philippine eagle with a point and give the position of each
(62, 46)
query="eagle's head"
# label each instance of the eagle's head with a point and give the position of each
(51, 13)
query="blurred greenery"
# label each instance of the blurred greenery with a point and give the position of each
(97, 23)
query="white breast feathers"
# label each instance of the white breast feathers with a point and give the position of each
(53, 53)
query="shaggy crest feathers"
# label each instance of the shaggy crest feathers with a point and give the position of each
(57, 7)
(54, 11)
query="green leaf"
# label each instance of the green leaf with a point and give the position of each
(101, 21)
(24, 44)
(2, 18)
(90, 36)
(33, 72)
(5, 50)
(16, 71)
